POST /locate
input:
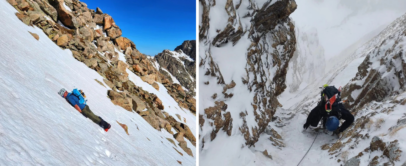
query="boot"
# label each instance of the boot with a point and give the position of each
(103, 124)
(108, 126)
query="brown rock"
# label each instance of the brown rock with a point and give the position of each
(12, 2)
(136, 54)
(114, 33)
(108, 83)
(153, 121)
(76, 55)
(140, 105)
(191, 100)
(178, 116)
(108, 22)
(123, 77)
(266, 154)
(62, 41)
(156, 86)
(87, 16)
(35, 16)
(128, 51)
(180, 89)
(335, 146)
(143, 113)
(121, 67)
(34, 35)
(137, 68)
(98, 19)
(99, 11)
(98, 33)
(165, 81)
(24, 18)
(124, 126)
(87, 33)
(24, 6)
(123, 43)
(168, 128)
(65, 16)
(183, 145)
(159, 103)
(377, 144)
(193, 109)
(120, 99)
(92, 63)
(55, 38)
(150, 79)
(48, 9)
(185, 129)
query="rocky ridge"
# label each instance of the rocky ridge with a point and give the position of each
(95, 39)
(189, 48)
(267, 37)
(180, 64)
(383, 72)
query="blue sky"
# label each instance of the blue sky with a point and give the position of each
(153, 25)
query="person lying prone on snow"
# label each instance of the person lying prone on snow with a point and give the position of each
(76, 99)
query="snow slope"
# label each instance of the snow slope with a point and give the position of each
(341, 23)
(38, 127)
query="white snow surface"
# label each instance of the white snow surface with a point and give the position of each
(341, 23)
(39, 127)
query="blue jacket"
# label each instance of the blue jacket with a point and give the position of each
(75, 98)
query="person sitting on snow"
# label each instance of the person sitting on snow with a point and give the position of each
(331, 109)
(76, 99)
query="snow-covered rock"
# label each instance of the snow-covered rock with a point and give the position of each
(180, 67)
(245, 48)
(382, 73)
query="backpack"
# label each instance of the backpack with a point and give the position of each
(331, 95)
(79, 95)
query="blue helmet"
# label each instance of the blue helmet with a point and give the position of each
(332, 123)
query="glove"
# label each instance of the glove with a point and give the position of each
(337, 132)
(306, 125)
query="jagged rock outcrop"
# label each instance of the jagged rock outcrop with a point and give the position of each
(65, 15)
(181, 66)
(249, 54)
(189, 48)
(383, 71)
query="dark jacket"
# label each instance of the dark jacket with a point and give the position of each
(338, 111)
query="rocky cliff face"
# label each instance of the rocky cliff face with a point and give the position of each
(95, 39)
(245, 48)
(383, 72)
(180, 64)
(189, 48)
